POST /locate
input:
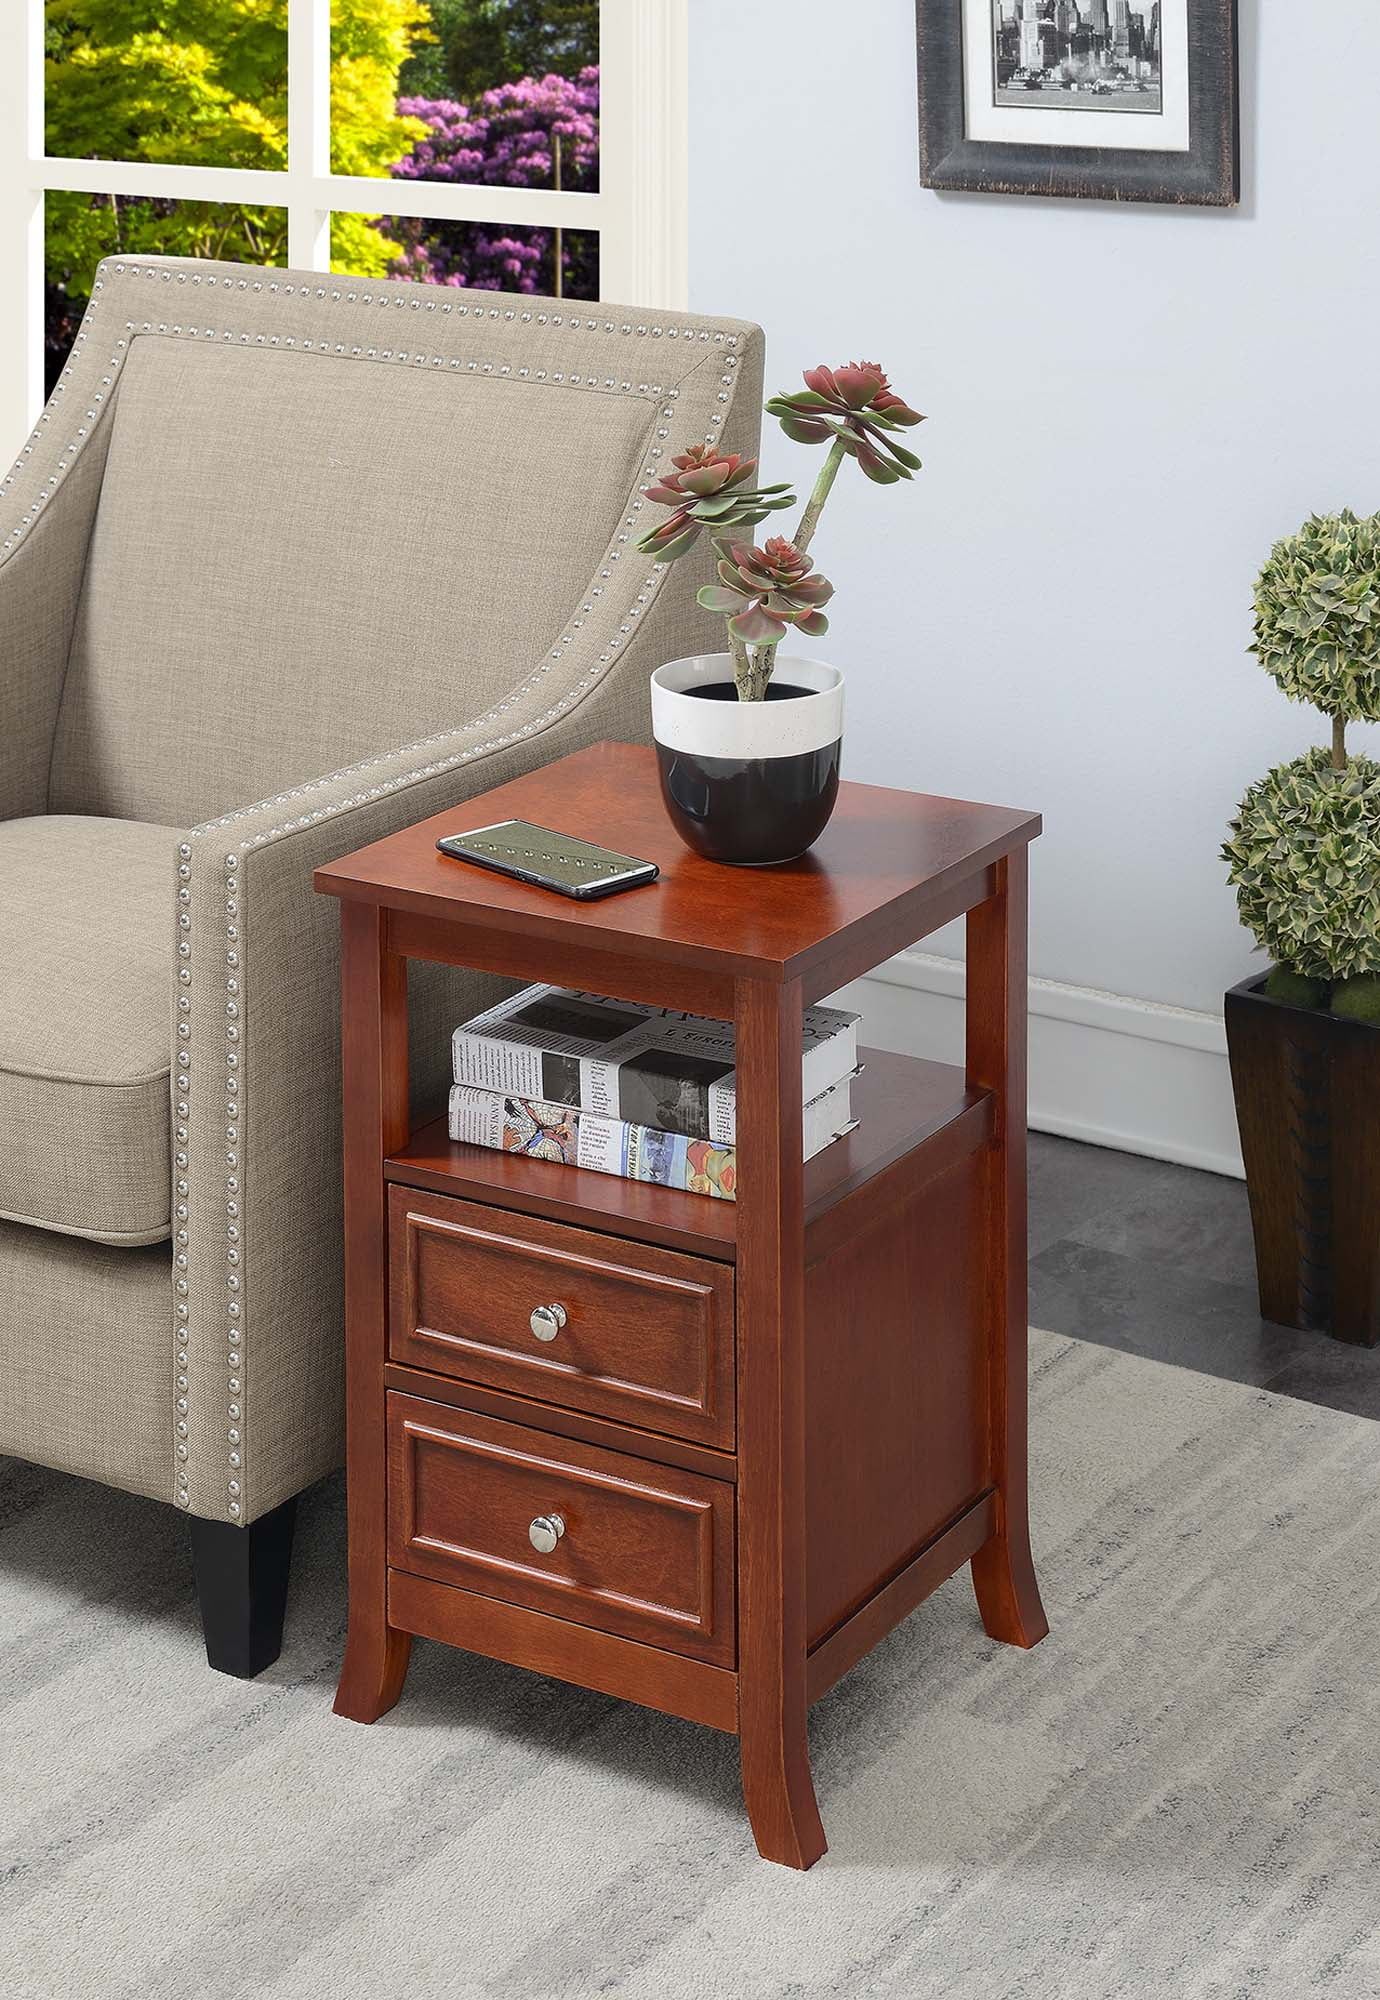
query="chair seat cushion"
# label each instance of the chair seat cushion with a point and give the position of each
(86, 953)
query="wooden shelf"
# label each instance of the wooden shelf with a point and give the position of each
(921, 1113)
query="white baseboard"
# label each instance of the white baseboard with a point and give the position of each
(1131, 1074)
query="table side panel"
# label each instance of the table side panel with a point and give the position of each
(831, 1657)
(895, 1387)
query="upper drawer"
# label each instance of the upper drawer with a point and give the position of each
(641, 1335)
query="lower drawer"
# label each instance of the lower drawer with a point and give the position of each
(598, 1537)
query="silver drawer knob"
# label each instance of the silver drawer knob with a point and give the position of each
(547, 1321)
(545, 1532)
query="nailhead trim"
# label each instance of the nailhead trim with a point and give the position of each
(210, 284)
(235, 1096)
(235, 1104)
(68, 452)
(236, 1330)
(234, 1113)
(182, 1334)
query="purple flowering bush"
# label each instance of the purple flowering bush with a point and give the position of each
(507, 139)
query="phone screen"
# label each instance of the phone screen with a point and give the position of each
(552, 860)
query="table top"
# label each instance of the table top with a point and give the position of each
(885, 855)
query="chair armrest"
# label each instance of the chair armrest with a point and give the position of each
(47, 506)
(256, 1175)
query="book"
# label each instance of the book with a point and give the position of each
(570, 1137)
(636, 1065)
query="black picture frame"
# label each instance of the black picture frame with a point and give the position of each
(1208, 174)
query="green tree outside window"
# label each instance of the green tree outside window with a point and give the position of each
(204, 83)
(479, 44)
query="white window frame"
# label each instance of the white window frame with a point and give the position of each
(640, 211)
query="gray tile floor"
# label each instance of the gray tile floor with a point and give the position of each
(1157, 1260)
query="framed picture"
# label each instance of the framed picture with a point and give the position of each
(1113, 100)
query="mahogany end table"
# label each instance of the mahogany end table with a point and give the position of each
(696, 1453)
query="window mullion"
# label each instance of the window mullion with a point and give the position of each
(462, 201)
(21, 223)
(309, 133)
(166, 180)
(644, 150)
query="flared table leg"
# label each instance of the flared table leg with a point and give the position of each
(374, 1058)
(1003, 1572)
(777, 1784)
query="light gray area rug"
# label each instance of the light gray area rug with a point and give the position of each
(1177, 1794)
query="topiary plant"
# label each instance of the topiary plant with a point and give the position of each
(1304, 851)
(1317, 616)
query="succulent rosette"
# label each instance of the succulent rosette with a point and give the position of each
(708, 488)
(763, 591)
(855, 407)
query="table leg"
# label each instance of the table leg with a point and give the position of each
(772, 1705)
(374, 1063)
(1003, 1572)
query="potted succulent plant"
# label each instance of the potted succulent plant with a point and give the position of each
(1304, 857)
(748, 744)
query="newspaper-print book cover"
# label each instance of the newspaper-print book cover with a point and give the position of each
(569, 1137)
(636, 1065)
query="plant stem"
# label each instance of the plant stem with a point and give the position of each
(1339, 742)
(742, 666)
(814, 506)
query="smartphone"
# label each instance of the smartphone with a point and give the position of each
(548, 860)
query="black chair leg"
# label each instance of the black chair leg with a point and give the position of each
(241, 1584)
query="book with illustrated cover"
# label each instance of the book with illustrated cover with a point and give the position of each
(569, 1137)
(636, 1065)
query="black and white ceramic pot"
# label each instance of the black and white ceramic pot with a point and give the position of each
(750, 782)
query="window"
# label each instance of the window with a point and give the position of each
(533, 145)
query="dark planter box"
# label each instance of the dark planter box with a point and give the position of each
(1307, 1088)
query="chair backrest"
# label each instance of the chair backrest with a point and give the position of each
(339, 515)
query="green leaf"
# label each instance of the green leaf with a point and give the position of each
(1304, 858)
(755, 628)
(797, 399)
(807, 430)
(668, 551)
(722, 503)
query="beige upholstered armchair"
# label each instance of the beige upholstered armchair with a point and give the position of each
(288, 562)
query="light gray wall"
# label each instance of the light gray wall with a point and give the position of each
(1125, 408)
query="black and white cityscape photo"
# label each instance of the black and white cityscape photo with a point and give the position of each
(1077, 55)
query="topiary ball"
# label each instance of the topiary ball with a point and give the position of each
(1358, 1000)
(1304, 859)
(1317, 615)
